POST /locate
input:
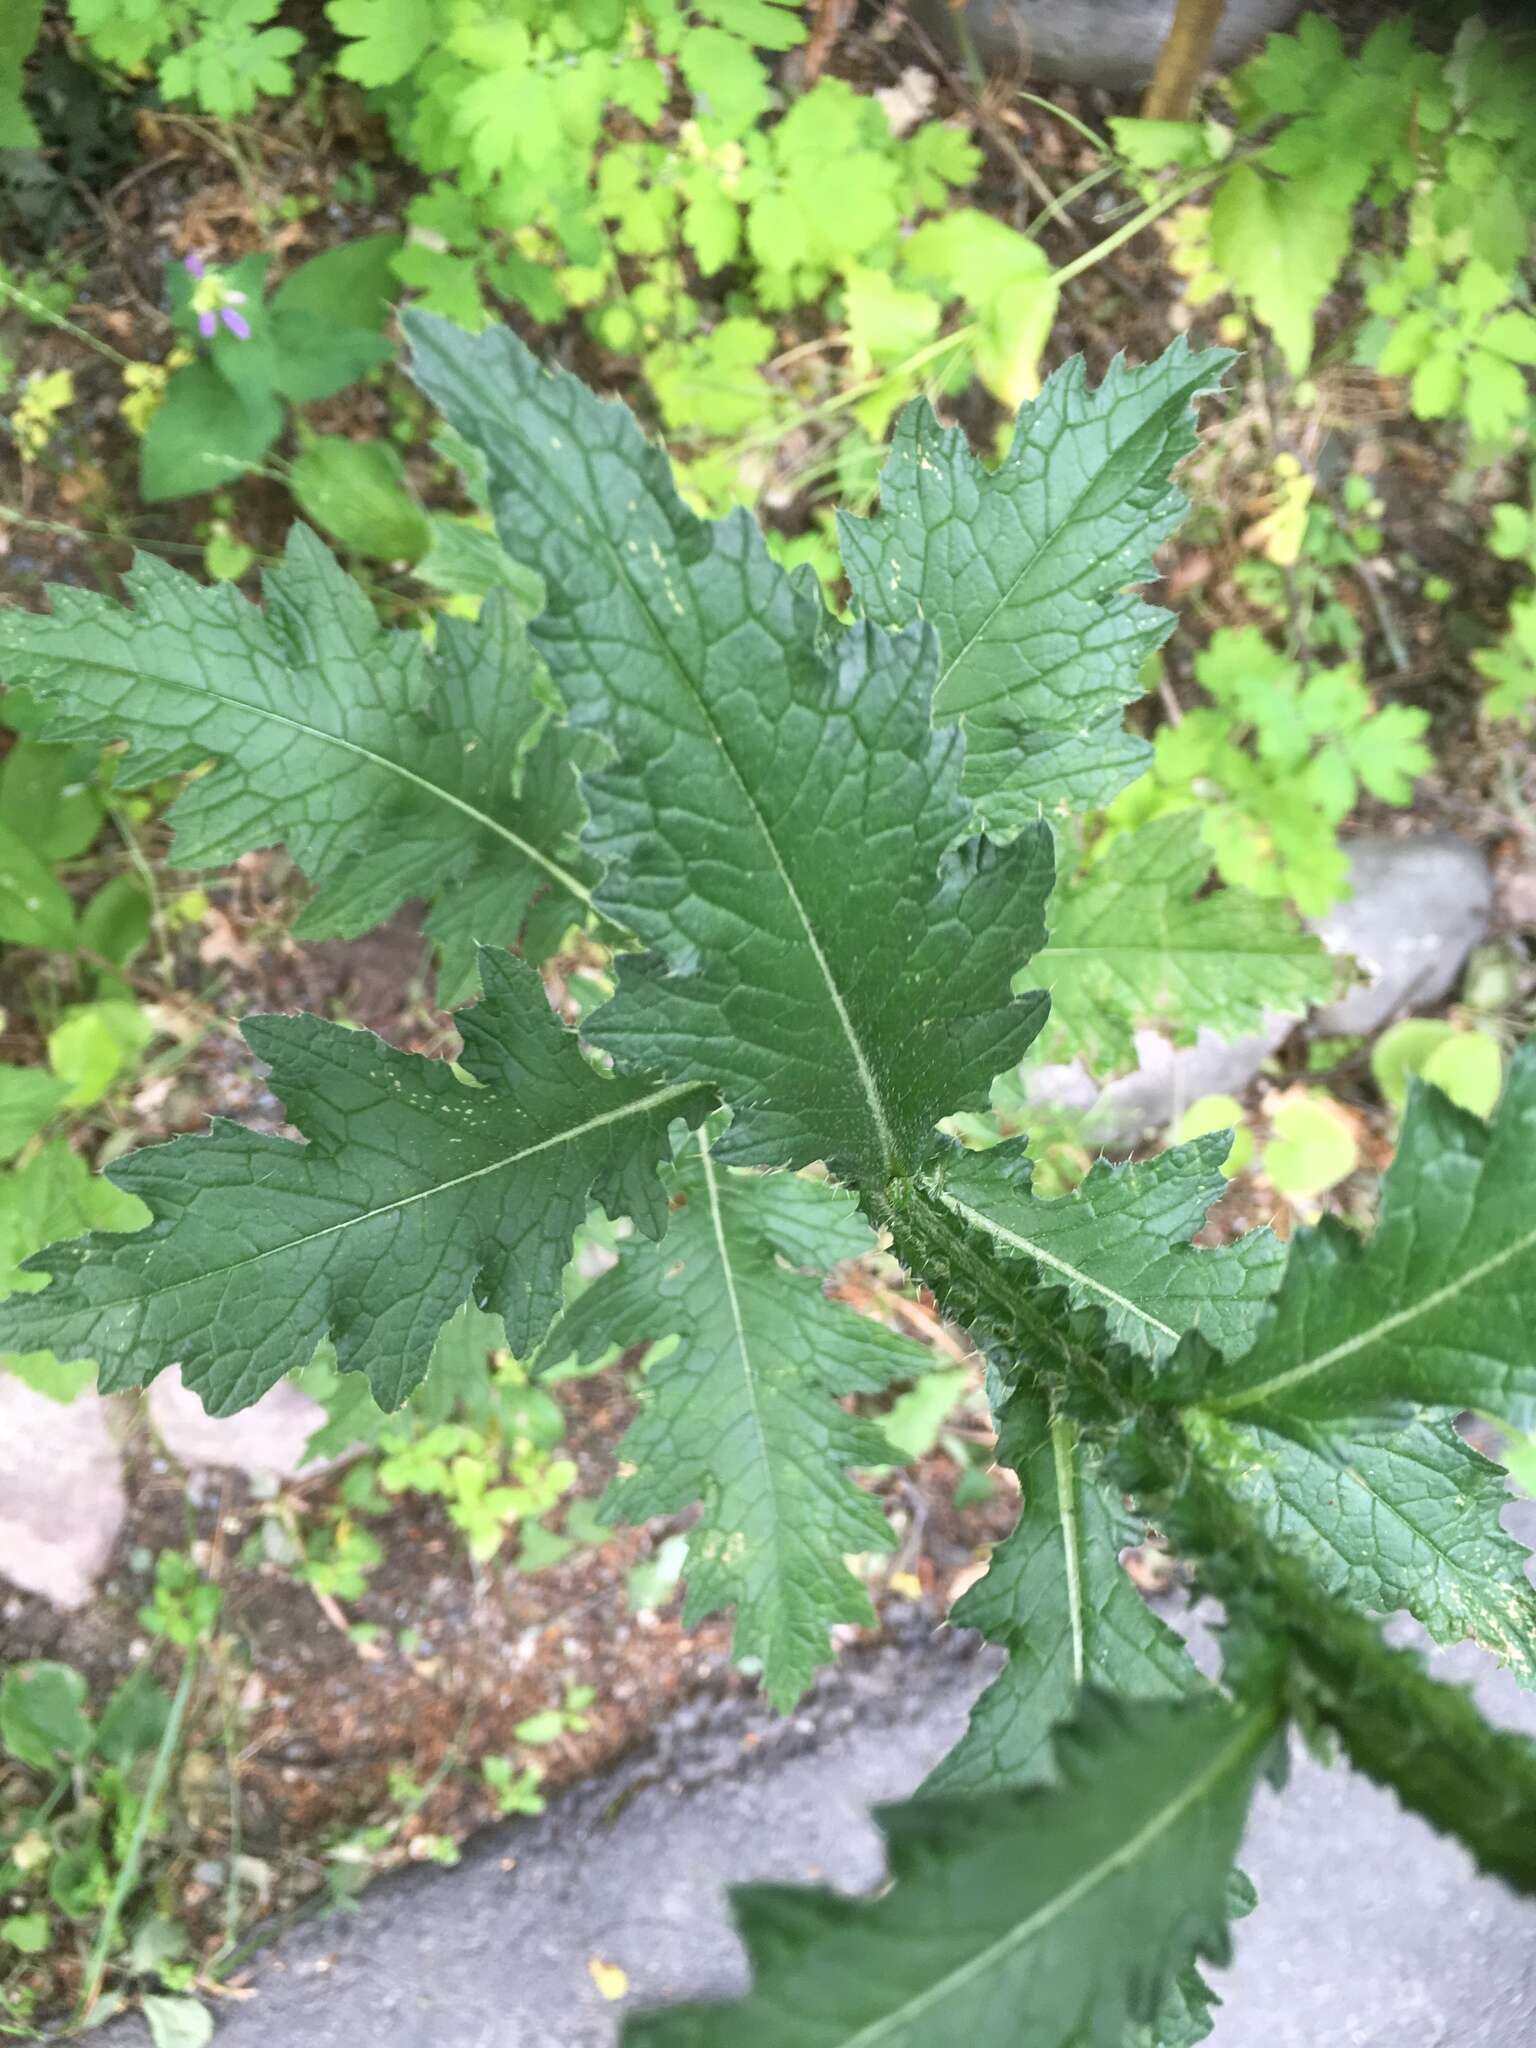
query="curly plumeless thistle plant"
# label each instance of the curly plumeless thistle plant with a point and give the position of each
(823, 853)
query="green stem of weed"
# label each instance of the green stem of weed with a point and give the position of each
(128, 1875)
(39, 311)
(146, 874)
(1050, 107)
(959, 336)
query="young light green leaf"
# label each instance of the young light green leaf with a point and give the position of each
(43, 1722)
(178, 2022)
(358, 492)
(205, 433)
(779, 819)
(28, 1099)
(1120, 1243)
(1281, 242)
(1055, 1916)
(1058, 1599)
(35, 907)
(1436, 1309)
(1134, 941)
(388, 771)
(53, 1194)
(744, 1413)
(417, 1191)
(1023, 572)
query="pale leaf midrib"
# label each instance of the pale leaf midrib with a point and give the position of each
(1063, 1451)
(1296, 1375)
(202, 692)
(1030, 1249)
(1248, 1738)
(673, 1092)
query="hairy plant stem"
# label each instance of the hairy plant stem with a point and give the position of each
(1023, 1323)
(1287, 1634)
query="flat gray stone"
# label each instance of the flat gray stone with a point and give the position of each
(1166, 1080)
(62, 1500)
(1419, 907)
(266, 1441)
(1372, 1931)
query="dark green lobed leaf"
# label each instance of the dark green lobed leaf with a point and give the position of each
(1058, 1599)
(1120, 1243)
(743, 1415)
(1436, 1310)
(1386, 1512)
(1023, 571)
(387, 770)
(416, 1192)
(1058, 1917)
(776, 820)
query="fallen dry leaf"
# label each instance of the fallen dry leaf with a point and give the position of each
(610, 1980)
(909, 99)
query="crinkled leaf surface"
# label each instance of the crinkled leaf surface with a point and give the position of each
(779, 820)
(388, 770)
(743, 1414)
(1059, 1601)
(1023, 571)
(1335, 1431)
(1437, 1308)
(1134, 941)
(1120, 1242)
(1057, 1917)
(416, 1191)
(1387, 1511)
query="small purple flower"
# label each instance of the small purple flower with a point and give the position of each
(214, 301)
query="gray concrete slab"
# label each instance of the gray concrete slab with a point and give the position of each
(1372, 1931)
